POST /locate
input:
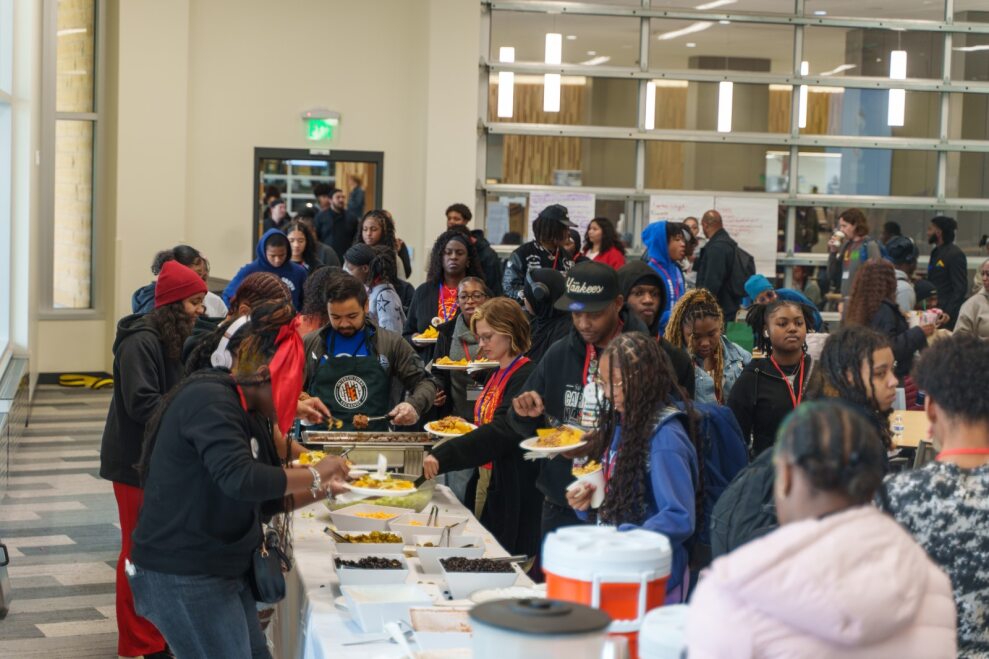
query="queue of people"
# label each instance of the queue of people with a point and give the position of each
(626, 351)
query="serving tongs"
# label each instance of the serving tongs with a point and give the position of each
(336, 536)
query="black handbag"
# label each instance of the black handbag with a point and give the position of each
(268, 565)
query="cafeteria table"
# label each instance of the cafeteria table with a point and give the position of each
(308, 622)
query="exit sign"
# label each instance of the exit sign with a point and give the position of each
(320, 124)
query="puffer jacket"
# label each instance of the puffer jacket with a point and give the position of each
(851, 584)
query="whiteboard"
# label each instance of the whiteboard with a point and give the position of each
(751, 222)
(579, 205)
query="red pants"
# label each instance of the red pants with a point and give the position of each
(136, 636)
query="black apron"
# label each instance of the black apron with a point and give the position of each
(353, 385)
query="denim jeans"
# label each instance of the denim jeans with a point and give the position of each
(201, 616)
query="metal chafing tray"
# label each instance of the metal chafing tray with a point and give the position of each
(403, 450)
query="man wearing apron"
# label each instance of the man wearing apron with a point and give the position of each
(350, 363)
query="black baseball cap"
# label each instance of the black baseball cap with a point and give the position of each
(590, 286)
(558, 213)
(901, 250)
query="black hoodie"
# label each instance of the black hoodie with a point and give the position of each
(760, 400)
(142, 375)
(559, 379)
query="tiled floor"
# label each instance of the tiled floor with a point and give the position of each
(59, 521)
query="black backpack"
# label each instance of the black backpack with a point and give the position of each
(745, 510)
(742, 267)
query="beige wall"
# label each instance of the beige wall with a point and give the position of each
(198, 85)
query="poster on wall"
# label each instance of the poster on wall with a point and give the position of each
(752, 222)
(677, 209)
(580, 207)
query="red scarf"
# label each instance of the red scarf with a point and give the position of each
(494, 391)
(447, 306)
(286, 373)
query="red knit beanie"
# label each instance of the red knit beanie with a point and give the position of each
(176, 282)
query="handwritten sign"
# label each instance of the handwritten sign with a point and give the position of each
(580, 207)
(677, 209)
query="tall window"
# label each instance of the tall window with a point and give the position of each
(6, 164)
(72, 102)
(814, 105)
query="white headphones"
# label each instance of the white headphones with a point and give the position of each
(221, 357)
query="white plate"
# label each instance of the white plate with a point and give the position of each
(451, 367)
(417, 339)
(429, 429)
(530, 445)
(375, 492)
(357, 473)
(475, 365)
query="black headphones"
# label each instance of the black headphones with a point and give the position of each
(540, 291)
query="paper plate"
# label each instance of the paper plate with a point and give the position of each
(530, 445)
(429, 428)
(357, 473)
(418, 339)
(374, 492)
(475, 365)
(451, 367)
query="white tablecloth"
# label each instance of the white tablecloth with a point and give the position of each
(309, 624)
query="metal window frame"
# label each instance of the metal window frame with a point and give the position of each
(638, 197)
(49, 116)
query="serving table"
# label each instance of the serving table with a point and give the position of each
(309, 623)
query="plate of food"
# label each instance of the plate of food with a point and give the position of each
(308, 458)
(429, 335)
(449, 426)
(478, 364)
(372, 486)
(447, 364)
(555, 440)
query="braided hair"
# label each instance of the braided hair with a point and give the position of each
(648, 387)
(387, 225)
(758, 319)
(259, 287)
(314, 291)
(836, 446)
(695, 305)
(838, 373)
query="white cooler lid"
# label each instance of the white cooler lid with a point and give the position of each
(663, 633)
(581, 552)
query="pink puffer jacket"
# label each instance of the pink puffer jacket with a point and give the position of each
(853, 584)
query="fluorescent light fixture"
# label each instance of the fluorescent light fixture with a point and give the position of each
(802, 117)
(725, 92)
(592, 53)
(551, 81)
(820, 12)
(690, 44)
(554, 48)
(725, 22)
(594, 61)
(714, 4)
(897, 97)
(506, 83)
(551, 92)
(571, 37)
(650, 105)
(72, 30)
(699, 26)
(841, 68)
(971, 49)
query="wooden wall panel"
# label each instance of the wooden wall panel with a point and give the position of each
(819, 106)
(664, 160)
(364, 170)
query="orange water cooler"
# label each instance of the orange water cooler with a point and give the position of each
(623, 573)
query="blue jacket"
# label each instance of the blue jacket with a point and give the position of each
(654, 239)
(735, 358)
(292, 274)
(670, 492)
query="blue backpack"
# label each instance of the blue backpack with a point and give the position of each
(725, 454)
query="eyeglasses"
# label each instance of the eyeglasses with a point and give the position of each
(475, 297)
(599, 381)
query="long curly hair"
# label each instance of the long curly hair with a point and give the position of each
(387, 224)
(874, 282)
(609, 236)
(174, 326)
(257, 288)
(695, 305)
(838, 372)
(309, 253)
(758, 319)
(461, 235)
(648, 386)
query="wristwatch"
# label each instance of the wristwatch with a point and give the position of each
(317, 482)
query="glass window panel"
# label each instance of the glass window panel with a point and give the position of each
(968, 175)
(6, 47)
(507, 213)
(972, 227)
(862, 112)
(714, 46)
(583, 101)
(866, 52)
(852, 171)
(680, 104)
(970, 52)
(75, 56)
(591, 40)
(73, 226)
(730, 6)
(537, 160)
(926, 10)
(713, 166)
(6, 160)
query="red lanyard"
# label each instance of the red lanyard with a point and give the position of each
(675, 290)
(448, 311)
(466, 351)
(962, 451)
(794, 398)
(590, 355)
(494, 391)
